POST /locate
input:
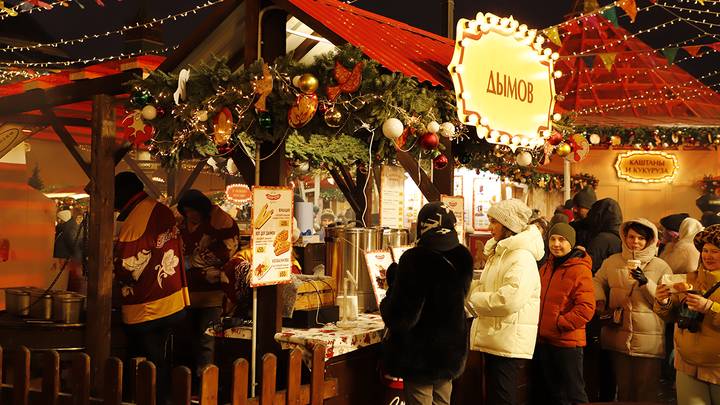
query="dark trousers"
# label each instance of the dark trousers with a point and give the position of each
(502, 376)
(150, 340)
(558, 375)
(599, 372)
(203, 346)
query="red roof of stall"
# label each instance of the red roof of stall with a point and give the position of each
(397, 46)
(639, 89)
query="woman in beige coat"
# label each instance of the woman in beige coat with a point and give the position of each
(697, 347)
(625, 288)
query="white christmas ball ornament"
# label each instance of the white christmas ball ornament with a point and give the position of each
(447, 129)
(594, 139)
(523, 158)
(393, 128)
(202, 115)
(433, 127)
(149, 112)
(304, 167)
(296, 81)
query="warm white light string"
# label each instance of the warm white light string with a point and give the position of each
(606, 22)
(23, 7)
(631, 77)
(688, 9)
(20, 63)
(581, 16)
(639, 52)
(693, 93)
(122, 30)
(654, 92)
(626, 37)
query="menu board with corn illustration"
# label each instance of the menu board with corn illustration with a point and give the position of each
(272, 227)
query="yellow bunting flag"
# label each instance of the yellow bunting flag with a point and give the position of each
(629, 7)
(553, 35)
(608, 59)
(700, 1)
(8, 11)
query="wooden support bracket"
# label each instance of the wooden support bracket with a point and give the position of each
(67, 140)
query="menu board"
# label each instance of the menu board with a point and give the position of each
(457, 205)
(397, 251)
(377, 264)
(272, 213)
(392, 197)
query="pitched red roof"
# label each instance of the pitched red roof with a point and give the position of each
(397, 46)
(639, 86)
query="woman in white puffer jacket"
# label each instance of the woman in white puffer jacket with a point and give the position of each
(681, 255)
(507, 299)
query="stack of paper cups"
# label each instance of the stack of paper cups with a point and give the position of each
(348, 307)
(304, 217)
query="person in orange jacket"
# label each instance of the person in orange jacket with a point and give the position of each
(567, 303)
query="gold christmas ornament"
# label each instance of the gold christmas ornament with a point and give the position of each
(333, 117)
(307, 83)
(563, 149)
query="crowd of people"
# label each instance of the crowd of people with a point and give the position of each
(594, 304)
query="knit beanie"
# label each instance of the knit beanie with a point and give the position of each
(672, 222)
(559, 218)
(710, 235)
(436, 227)
(512, 213)
(564, 230)
(585, 198)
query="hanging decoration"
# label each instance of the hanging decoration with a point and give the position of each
(709, 184)
(429, 141)
(341, 94)
(149, 112)
(563, 149)
(222, 126)
(136, 130)
(348, 81)
(440, 162)
(263, 87)
(652, 137)
(580, 147)
(524, 158)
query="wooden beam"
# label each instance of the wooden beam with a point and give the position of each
(193, 176)
(67, 93)
(100, 240)
(252, 26)
(42, 121)
(305, 47)
(68, 140)
(245, 165)
(411, 166)
(150, 185)
(311, 22)
(198, 35)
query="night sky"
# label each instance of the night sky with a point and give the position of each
(426, 14)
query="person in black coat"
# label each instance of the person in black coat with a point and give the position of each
(424, 310)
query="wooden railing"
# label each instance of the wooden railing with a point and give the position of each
(18, 390)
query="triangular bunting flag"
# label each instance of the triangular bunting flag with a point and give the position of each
(589, 61)
(611, 15)
(629, 7)
(715, 46)
(693, 50)
(700, 1)
(553, 35)
(593, 21)
(670, 54)
(608, 59)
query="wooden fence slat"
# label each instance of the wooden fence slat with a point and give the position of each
(181, 380)
(113, 386)
(269, 369)
(240, 382)
(209, 385)
(317, 380)
(1, 369)
(133, 378)
(81, 379)
(21, 371)
(145, 394)
(294, 371)
(51, 378)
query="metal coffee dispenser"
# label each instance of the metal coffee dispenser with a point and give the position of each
(346, 249)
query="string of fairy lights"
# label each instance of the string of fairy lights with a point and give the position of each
(25, 7)
(85, 61)
(82, 39)
(600, 23)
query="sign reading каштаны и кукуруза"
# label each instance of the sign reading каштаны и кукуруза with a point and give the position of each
(503, 80)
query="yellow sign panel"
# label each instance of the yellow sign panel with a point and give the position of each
(503, 80)
(647, 167)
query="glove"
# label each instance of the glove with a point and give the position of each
(638, 275)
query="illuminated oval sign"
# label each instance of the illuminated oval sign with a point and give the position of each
(238, 193)
(503, 80)
(647, 167)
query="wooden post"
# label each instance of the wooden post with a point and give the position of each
(100, 240)
(443, 178)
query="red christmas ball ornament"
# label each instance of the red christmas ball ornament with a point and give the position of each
(440, 162)
(429, 141)
(224, 149)
(160, 112)
(555, 139)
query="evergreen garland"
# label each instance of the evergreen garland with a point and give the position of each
(180, 132)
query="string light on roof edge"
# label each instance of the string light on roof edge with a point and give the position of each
(19, 63)
(122, 30)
